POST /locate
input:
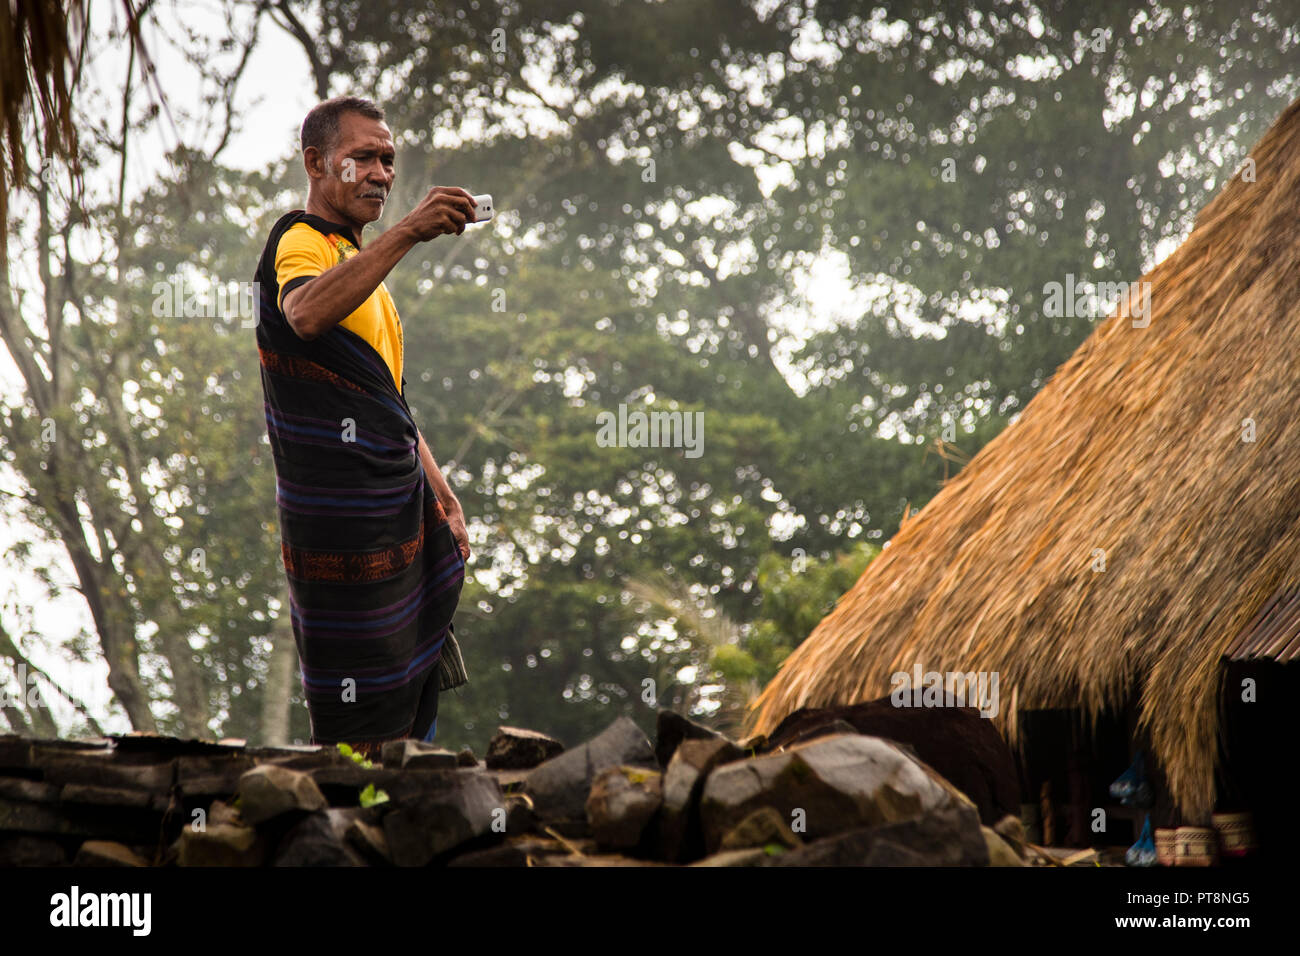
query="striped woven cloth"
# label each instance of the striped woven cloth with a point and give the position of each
(374, 573)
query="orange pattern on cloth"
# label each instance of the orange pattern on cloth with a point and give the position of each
(296, 367)
(351, 568)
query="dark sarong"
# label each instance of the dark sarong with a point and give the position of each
(372, 584)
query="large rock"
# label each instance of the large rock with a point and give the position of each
(1001, 852)
(403, 754)
(319, 840)
(671, 729)
(456, 808)
(559, 787)
(107, 853)
(947, 837)
(751, 856)
(221, 844)
(102, 767)
(764, 827)
(962, 746)
(595, 859)
(825, 786)
(679, 834)
(515, 852)
(211, 776)
(513, 748)
(26, 850)
(268, 791)
(623, 800)
(369, 841)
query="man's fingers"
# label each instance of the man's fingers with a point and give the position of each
(452, 191)
(464, 206)
(454, 196)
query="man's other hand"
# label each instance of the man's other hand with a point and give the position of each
(444, 211)
(456, 520)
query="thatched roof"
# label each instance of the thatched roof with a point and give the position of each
(1135, 447)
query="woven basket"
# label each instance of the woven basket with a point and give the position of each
(1195, 846)
(1165, 840)
(1236, 833)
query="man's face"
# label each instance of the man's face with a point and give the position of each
(358, 174)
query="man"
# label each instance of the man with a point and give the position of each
(373, 539)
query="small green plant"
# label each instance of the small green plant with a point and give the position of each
(370, 796)
(357, 758)
(773, 849)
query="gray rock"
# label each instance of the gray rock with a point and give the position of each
(513, 748)
(824, 730)
(623, 800)
(511, 853)
(520, 817)
(831, 783)
(369, 841)
(268, 791)
(222, 812)
(15, 752)
(28, 791)
(947, 837)
(107, 853)
(23, 816)
(957, 742)
(679, 836)
(81, 793)
(305, 759)
(750, 856)
(1001, 852)
(222, 844)
(319, 840)
(671, 728)
(595, 859)
(211, 776)
(102, 768)
(27, 850)
(1012, 830)
(559, 787)
(455, 809)
(401, 754)
(762, 827)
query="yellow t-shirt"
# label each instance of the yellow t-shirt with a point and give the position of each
(305, 252)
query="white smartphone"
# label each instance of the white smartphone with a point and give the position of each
(483, 211)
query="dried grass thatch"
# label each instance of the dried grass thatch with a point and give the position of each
(1134, 447)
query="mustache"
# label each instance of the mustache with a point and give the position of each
(375, 194)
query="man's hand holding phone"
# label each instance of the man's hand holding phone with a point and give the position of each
(443, 211)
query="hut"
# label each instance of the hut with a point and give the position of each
(1131, 543)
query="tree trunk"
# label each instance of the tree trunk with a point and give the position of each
(278, 688)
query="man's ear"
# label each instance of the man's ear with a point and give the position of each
(313, 160)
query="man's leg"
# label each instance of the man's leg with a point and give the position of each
(426, 715)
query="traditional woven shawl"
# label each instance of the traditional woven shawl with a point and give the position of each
(372, 585)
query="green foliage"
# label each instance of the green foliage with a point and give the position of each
(356, 758)
(794, 601)
(370, 796)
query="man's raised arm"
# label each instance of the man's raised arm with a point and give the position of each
(317, 306)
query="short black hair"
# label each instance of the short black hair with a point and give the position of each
(320, 128)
